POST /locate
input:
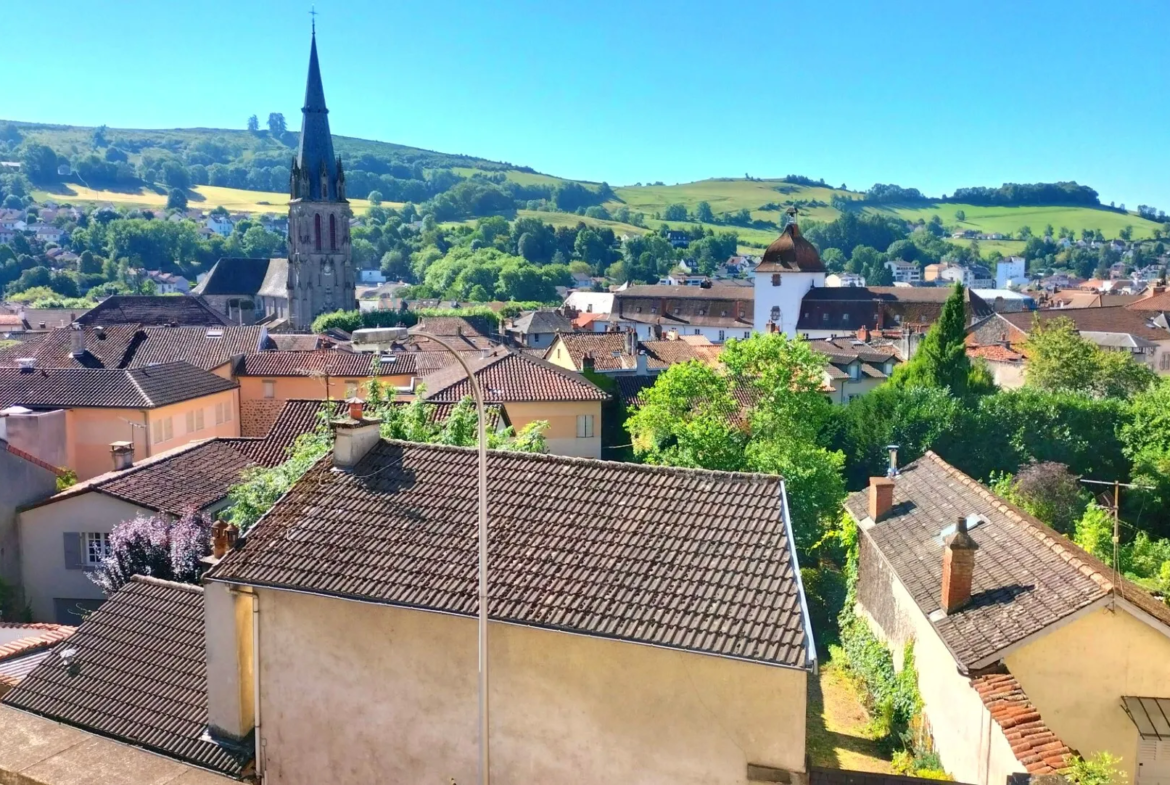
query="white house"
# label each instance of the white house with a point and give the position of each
(789, 269)
(838, 280)
(1010, 272)
(904, 272)
(220, 224)
(372, 276)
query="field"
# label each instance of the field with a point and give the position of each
(203, 197)
(727, 195)
(1009, 220)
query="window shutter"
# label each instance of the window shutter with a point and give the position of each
(74, 559)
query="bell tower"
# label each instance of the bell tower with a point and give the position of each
(321, 277)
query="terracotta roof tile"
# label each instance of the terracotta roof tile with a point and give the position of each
(142, 676)
(323, 361)
(610, 351)
(636, 565)
(1034, 744)
(1112, 319)
(140, 388)
(509, 377)
(153, 310)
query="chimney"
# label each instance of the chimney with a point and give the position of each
(641, 366)
(958, 568)
(76, 341)
(223, 539)
(631, 342)
(123, 455)
(881, 497)
(354, 436)
(862, 334)
(587, 362)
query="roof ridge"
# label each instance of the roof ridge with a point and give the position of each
(153, 581)
(1063, 547)
(648, 468)
(133, 380)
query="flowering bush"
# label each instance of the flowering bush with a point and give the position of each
(160, 546)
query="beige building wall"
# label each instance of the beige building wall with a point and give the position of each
(89, 432)
(180, 431)
(561, 433)
(971, 745)
(1077, 674)
(285, 388)
(565, 708)
(44, 572)
(1009, 376)
(559, 356)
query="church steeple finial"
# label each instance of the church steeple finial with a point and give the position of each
(316, 146)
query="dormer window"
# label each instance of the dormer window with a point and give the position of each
(638, 309)
(775, 314)
(825, 317)
(855, 371)
(725, 312)
(653, 309)
(775, 279)
(844, 318)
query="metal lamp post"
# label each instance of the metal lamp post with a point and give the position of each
(397, 333)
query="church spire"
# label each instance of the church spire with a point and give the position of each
(316, 147)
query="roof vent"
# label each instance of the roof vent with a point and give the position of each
(389, 358)
(26, 364)
(214, 332)
(974, 521)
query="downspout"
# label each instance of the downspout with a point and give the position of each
(259, 753)
(145, 431)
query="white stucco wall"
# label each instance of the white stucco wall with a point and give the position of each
(42, 551)
(971, 745)
(353, 692)
(788, 297)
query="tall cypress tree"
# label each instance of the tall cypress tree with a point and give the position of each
(941, 360)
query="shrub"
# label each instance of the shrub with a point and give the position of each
(1101, 768)
(160, 546)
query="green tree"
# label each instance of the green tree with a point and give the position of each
(176, 199)
(276, 124)
(1059, 359)
(941, 360)
(703, 213)
(960, 215)
(675, 212)
(1126, 233)
(253, 123)
(589, 247)
(39, 163)
(375, 197)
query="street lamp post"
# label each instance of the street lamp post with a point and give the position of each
(398, 333)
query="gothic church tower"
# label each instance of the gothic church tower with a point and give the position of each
(321, 277)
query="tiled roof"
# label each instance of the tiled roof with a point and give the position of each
(323, 361)
(153, 311)
(454, 325)
(258, 415)
(234, 276)
(610, 351)
(880, 307)
(730, 307)
(1154, 302)
(139, 388)
(510, 377)
(296, 342)
(132, 346)
(847, 350)
(1027, 576)
(142, 676)
(1034, 744)
(686, 559)
(542, 321)
(995, 354)
(203, 347)
(791, 253)
(1107, 319)
(32, 637)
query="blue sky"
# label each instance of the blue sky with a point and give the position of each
(934, 95)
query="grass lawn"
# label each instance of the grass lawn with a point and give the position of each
(837, 738)
(1009, 220)
(203, 197)
(726, 195)
(518, 177)
(1005, 247)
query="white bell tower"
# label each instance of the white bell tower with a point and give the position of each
(790, 268)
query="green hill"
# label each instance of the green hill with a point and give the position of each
(247, 171)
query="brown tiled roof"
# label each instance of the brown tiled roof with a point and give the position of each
(1153, 302)
(542, 321)
(142, 677)
(295, 342)
(880, 307)
(107, 349)
(730, 307)
(994, 330)
(510, 377)
(38, 637)
(258, 415)
(997, 354)
(1034, 744)
(323, 361)
(847, 350)
(203, 347)
(693, 560)
(139, 388)
(455, 325)
(1027, 576)
(236, 276)
(1107, 319)
(19, 453)
(791, 253)
(609, 351)
(152, 311)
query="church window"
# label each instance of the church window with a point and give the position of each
(317, 226)
(333, 232)
(775, 313)
(775, 279)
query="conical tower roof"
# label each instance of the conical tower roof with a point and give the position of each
(316, 147)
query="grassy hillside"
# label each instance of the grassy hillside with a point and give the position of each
(204, 197)
(728, 195)
(1009, 220)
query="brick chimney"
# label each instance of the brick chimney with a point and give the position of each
(587, 363)
(76, 341)
(223, 538)
(862, 333)
(958, 568)
(881, 497)
(354, 435)
(123, 455)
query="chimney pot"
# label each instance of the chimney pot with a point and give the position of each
(76, 341)
(881, 497)
(958, 568)
(356, 408)
(587, 363)
(352, 439)
(123, 455)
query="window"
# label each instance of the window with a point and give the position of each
(698, 331)
(317, 226)
(825, 317)
(775, 279)
(775, 317)
(269, 388)
(162, 430)
(195, 420)
(653, 309)
(219, 414)
(854, 371)
(1165, 362)
(747, 334)
(720, 335)
(351, 389)
(584, 426)
(844, 318)
(97, 548)
(333, 232)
